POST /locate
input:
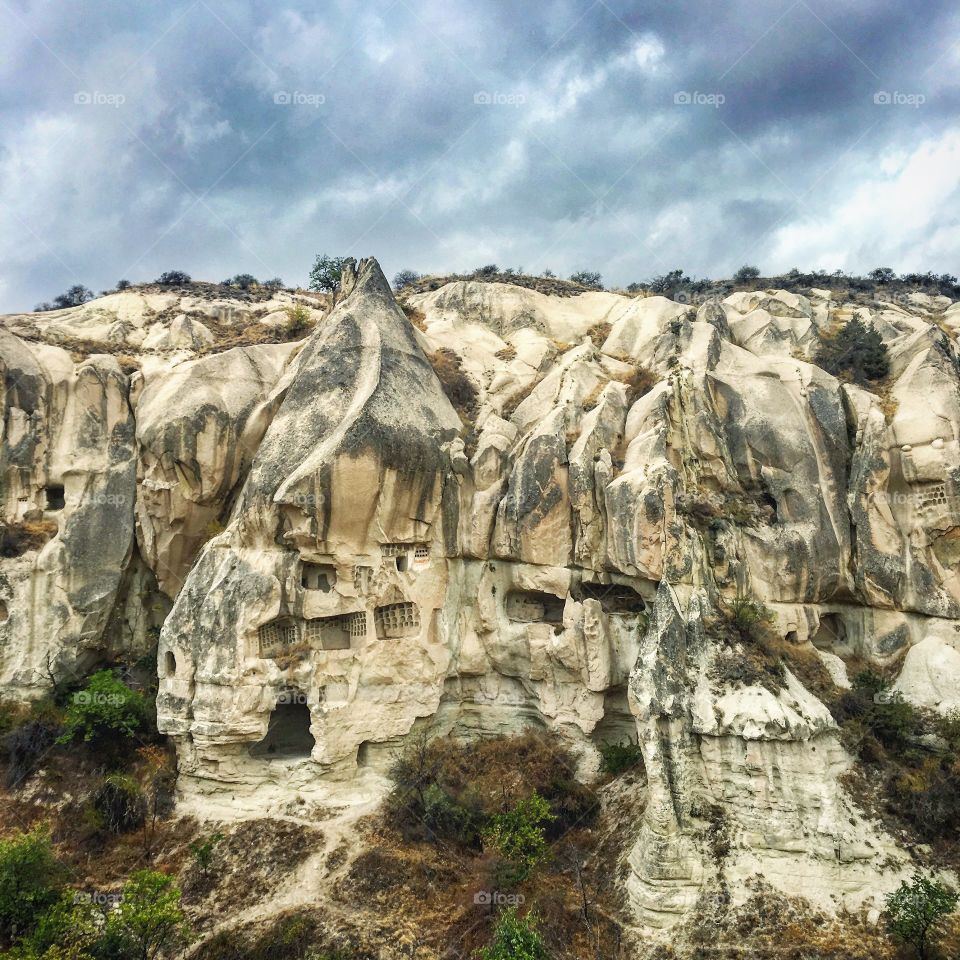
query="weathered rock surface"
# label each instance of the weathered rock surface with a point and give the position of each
(348, 561)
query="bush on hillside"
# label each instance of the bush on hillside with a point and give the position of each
(516, 938)
(587, 278)
(173, 278)
(446, 789)
(30, 881)
(105, 708)
(404, 278)
(746, 273)
(120, 804)
(326, 272)
(616, 758)
(856, 350)
(916, 911)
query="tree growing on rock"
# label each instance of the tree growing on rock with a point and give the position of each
(149, 919)
(242, 280)
(173, 278)
(916, 911)
(325, 275)
(74, 296)
(588, 278)
(404, 278)
(746, 273)
(857, 350)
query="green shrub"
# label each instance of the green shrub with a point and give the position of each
(615, 758)
(519, 835)
(515, 938)
(916, 910)
(104, 708)
(173, 278)
(857, 350)
(745, 273)
(31, 879)
(587, 278)
(446, 789)
(68, 930)
(325, 274)
(446, 818)
(404, 278)
(148, 920)
(298, 318)
(202, 853)
(120, 804)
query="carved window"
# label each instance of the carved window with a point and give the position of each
(318, 576)
(531, 606)
(277, 636)
(397, 620)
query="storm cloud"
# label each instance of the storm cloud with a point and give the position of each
(227, 137)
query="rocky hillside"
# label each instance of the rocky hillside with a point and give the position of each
(487, 508)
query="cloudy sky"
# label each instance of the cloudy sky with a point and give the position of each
(627, 137)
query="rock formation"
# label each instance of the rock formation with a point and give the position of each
(331, 555)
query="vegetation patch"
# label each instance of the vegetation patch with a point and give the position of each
(909, 769)
(753, 653)
(18, 537)
(457, 385)
(855, 352)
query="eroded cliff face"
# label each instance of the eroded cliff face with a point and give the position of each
(348, 561)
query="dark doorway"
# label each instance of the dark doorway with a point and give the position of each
(288, 735)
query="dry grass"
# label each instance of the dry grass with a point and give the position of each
(17, 537)
(459, 388)
(591, 400)
(415, 316)
(510, 407)
(599, 332)
(509, 352)
(639, 382)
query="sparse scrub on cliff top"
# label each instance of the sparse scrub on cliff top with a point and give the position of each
(173, 278)
(587, 278)
(403, 278)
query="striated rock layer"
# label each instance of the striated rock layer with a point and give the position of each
(351, 559)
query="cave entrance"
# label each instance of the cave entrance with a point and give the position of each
(614, 598)
(831, 635)
(288, 734)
